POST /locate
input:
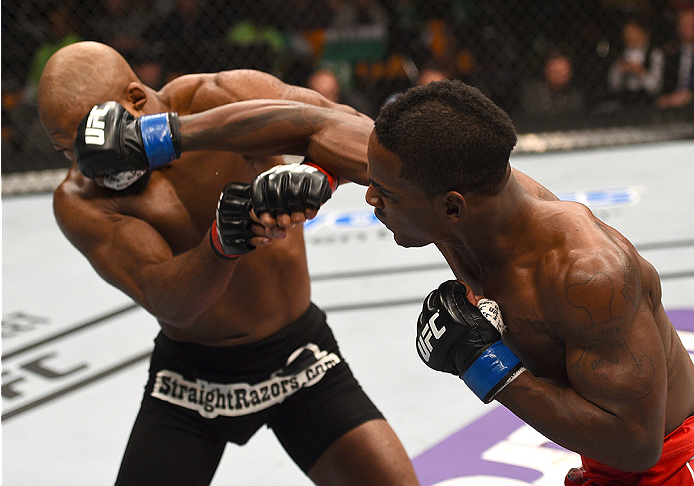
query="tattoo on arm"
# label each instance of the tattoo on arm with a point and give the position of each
(629, 270)
(607, 366)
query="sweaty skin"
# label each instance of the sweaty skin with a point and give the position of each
(151, 240)
(607, 374)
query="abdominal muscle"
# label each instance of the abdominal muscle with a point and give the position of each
(269, 290)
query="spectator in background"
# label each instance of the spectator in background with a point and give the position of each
(636, 77)
(553, 94)
(431, 71)
(257, 43)
(149, 67)
(678, 72)
(23, 137)
(350, 14)
(327, 83)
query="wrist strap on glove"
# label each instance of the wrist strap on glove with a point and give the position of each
(495, 368)
(217, 244)
(161, 138)
(333, 180)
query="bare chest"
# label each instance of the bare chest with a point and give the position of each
(541, 353)
(529, 331)
(180, 200)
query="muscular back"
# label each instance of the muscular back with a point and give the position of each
(148, 233)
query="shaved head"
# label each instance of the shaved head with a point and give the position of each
(76, 78)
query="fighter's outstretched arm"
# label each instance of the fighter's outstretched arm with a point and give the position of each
(336, 140)
(110, 140)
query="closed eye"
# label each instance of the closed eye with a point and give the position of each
(383, 192)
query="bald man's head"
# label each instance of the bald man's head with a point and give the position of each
(76, 78)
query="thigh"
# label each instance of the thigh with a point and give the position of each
(336, 435)
(368, 455)
(165, 450)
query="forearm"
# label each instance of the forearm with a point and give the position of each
(340, 148)
(179, 289)
(334, 139)
(575, 423)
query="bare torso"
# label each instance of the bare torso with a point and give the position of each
(269, 287)
(534, 293)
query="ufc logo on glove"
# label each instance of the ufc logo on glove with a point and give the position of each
(429, 331)
(457, 337)
(94, 131)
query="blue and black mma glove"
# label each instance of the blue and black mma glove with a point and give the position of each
(110, 140)
(454, 336)
(231, 230)
(289, 188)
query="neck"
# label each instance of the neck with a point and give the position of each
(155, 103)
(489, 235)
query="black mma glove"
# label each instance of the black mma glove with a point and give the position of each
(110, 140)
(231, 229)
(455, 337)
(289, 188)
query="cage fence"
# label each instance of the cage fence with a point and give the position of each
(558, 68)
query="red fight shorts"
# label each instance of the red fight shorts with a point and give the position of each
(675, 467)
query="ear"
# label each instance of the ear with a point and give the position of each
(136, 95)
(455, 205)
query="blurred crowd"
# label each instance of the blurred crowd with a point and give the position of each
(547, 63)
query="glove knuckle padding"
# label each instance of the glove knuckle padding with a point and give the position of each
(289, 188)
(455, 337)
(479, 333)
(234, 219)
(466, 335)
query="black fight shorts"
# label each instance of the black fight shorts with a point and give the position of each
(198, 398)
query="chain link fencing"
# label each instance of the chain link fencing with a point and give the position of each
(558, 68)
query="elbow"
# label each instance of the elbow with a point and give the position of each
(640, 463)
(647, 456)
(640, 455)
(178, 318)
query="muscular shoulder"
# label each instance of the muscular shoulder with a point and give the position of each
(534, 187)
(194, 93)
(79, 206)
(593, 277)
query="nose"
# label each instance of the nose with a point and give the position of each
(372, 198)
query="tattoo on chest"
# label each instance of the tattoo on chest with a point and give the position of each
(544, 194)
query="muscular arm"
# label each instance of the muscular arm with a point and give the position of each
(132, 256)
(614, 411)
(335, 139)
(199, 92)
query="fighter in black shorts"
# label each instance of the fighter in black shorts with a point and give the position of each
(199, 398)
(232, 307)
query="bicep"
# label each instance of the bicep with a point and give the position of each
(614, 356)
(249, 85)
